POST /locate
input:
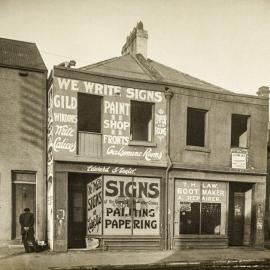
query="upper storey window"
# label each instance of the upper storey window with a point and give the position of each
(89, 113)
(239, 131)
(196, 127)
(141, 123)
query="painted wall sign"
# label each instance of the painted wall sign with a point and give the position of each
(147, 207)
(198, 198)
(50, 168)
(64, 121)
(148, 154)
(239, 158)
(115, 123)
(160, 124)
(50, 135)
(117, 206)
(188, 191)
(94, 207)
(213, 192)
(196, 191)
(131, 205)
(108, 90)
(111, 170)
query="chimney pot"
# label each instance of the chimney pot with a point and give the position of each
(136, 42)
(263, 91)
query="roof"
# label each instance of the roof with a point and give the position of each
(138, 67)
(15, 53)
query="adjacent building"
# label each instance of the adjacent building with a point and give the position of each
(142, 156)
(23, 78)
(218, 175)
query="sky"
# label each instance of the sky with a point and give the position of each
(224, 42)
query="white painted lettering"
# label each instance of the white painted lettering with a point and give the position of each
(74, 85)
(63, 83)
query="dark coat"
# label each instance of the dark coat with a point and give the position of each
(27, 220)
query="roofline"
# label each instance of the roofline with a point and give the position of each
(24, 68)
(165, 83)
(11, 39)
(99, 63)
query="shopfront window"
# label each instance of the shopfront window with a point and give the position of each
(200, 207)
(210, 218)
(189, 218)
(131, 206)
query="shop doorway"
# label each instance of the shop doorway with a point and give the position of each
(239, 223)
(77, 208)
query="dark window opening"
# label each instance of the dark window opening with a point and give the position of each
(189, 218)
(89, 113)
(195, 127)
(141, 121)
(239, 132)
(211, 218)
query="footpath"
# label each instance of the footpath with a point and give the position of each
(230, 258)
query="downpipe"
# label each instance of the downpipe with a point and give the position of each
(168, 95)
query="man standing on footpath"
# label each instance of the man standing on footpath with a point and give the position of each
(27, 230)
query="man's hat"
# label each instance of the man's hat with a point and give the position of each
(26, 209)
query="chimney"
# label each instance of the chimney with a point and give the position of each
(136, 42)
(263, 91)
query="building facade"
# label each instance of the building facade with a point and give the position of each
(142, 156)
(23, 78)
(107, 161)
(218, 181)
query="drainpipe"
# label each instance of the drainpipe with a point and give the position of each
(168, 95)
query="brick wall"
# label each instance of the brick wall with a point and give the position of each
(22, 140)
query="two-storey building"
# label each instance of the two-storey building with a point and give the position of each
(217, 178)
(142, 156)
(23, 76)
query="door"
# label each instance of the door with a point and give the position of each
(24, 195)
(238, 219)
(77, 214)
(239, 226)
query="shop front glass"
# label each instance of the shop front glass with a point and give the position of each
(200, 207)
(131, 206)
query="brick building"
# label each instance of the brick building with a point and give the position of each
(218, 146)
(142, 156)
(22, 137)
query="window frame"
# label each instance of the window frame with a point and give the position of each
(101, 114)
(248, 123)
(143, 142)
(206, 131)
(224, 202)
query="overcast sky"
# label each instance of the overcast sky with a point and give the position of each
(225, 42)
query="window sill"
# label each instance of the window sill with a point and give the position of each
(90, 132)
(197, 148)
(238, 147)
(142, 143)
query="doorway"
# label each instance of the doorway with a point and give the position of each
(77, 208)
(239, 223)
(24, 196)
